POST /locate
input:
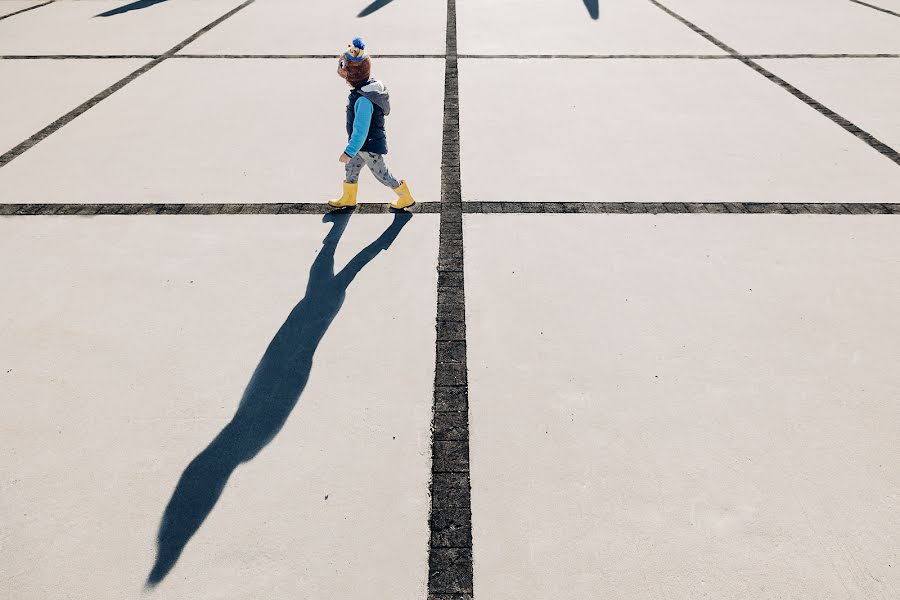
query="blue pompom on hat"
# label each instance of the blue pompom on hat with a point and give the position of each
(356, 62)
(356, 51)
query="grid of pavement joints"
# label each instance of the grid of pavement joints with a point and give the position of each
(850, 127)
(86, 106)
(451, 54)
(450, 548)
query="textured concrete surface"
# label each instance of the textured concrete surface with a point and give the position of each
(127, 345)
(10, 6)
(567, 27)
(684, 406)
(865, 91)
(74, 27)
(656, 131)
(291, 27)
(798, 26)
(666, 405)
(233, 131)
(38, 92)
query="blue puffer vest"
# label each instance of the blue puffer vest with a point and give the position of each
(376, 141)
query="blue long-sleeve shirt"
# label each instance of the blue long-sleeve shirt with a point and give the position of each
(361, 123)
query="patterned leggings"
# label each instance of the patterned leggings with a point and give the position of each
(376, 165)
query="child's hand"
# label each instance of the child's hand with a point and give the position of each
(344, 158)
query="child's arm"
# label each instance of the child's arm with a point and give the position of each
(361, 123)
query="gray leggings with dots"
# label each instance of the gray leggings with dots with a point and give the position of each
(376, 165)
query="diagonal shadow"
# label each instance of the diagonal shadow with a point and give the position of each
(139, 4)
(593, 7)
(270, 396)
(376, 5)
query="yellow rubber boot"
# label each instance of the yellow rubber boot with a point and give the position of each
(405, 200)
(349, 197)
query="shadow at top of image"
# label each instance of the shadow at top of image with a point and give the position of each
(376, 5)
(138, 5)
(593, 8)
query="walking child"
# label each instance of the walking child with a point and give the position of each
(367, 106)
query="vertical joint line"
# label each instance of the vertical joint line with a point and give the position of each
(450, 571)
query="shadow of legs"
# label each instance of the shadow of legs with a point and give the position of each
(270, 396)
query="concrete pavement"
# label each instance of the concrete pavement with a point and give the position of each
(462, 402)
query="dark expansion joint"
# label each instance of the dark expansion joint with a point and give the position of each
(450, 522)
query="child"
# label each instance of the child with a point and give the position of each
(367, 107)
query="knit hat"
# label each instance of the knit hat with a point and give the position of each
(356, 62)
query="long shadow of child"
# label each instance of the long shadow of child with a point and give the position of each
(273, 391)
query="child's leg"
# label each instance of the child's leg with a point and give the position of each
(379, 169)
(382, 174)
(353, 168)
(351, 178)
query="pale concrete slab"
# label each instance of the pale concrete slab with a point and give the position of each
(684, 406)
(37, 92)
(75, 27)
(795, 27)
(128, 343)
(187, 132)
(291, 27)
(657, 131)
(10, 6)
(568, 27)
(866, 91)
